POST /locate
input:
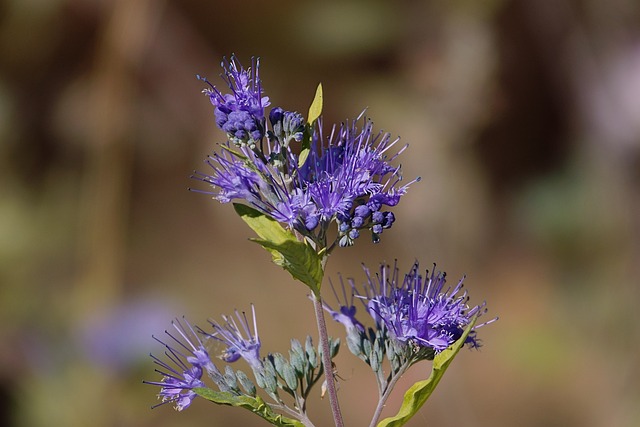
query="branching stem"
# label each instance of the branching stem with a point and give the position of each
(326, 361)
(387, 392)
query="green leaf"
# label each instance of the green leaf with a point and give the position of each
(419, 392)
(315, 110)
(304, 153)
(253, 404)
(298, 258)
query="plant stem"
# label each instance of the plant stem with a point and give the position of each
(387, 392)
(326, 361)
(299, 415)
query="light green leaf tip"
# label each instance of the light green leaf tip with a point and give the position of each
(419, 392)
(315, 110)
(303, 156)
(296, 257)
(253, 404)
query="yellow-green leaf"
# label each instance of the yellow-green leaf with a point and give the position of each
(315, 110)
(419, 392)
(255, 404)
(304, 153)
(297, 257)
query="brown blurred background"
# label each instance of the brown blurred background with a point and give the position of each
(523, 119)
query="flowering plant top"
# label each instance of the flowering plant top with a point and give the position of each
(305, 192)
(290, 170)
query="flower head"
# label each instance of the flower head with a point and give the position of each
(286, 125)
(351, 179)
(422, 312)
(418, 311)
(187, 359)
(345, 178)
(240, 342)
(239, 113)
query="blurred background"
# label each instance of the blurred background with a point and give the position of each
(523, 119)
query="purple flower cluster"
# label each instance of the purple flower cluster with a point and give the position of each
(187, 358)
(241, 113)
(286, 125)
(232, 334)
(287, 168)
(418, 311)
(346, 177)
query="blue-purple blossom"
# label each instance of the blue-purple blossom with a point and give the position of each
(418, 311)
(346, 313)
(286, 125)
(240, 341)
(421, 311)
(348, 182)
(240, 113)
(346, 177)
(186, 360)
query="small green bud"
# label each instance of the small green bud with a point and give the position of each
(246, 383)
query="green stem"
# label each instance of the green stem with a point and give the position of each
(326, 361)
(299, 415)
(387, 392)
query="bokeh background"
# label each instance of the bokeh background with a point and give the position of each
(523, 119)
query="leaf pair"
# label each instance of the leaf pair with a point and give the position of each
(297, 257)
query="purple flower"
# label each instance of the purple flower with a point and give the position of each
(420, 311)
(233, 178)
(347, 182)
(346, 313)
(240, 342)
(286, 125)
(239, 113)
(350, 178)
(347, 178)
(187, 359)
(417, 311)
